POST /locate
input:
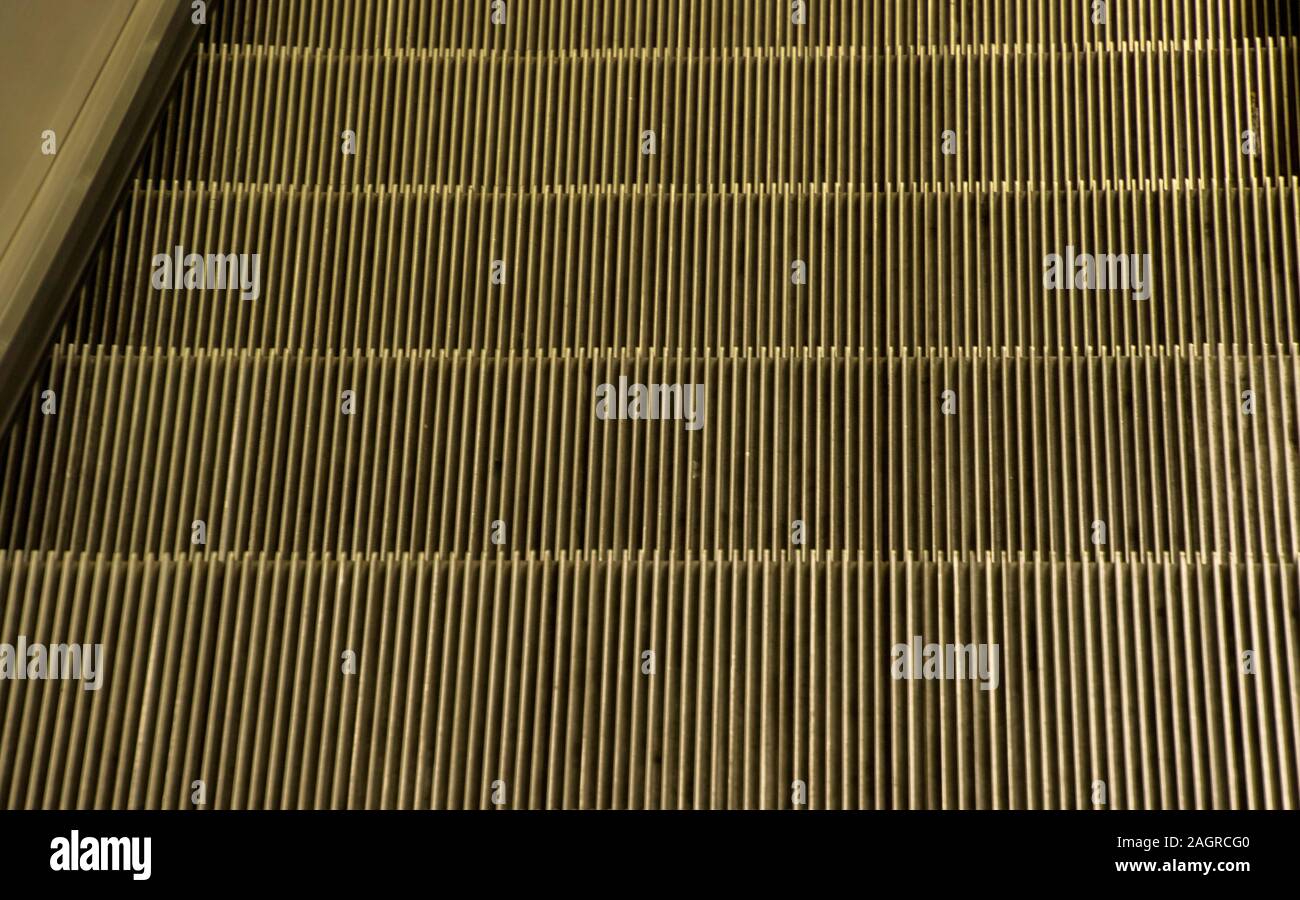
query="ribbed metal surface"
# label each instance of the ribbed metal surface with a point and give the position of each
(528, 670)
(1151, 442)
(777, 116)
(837, 502)
(606, 268)
(557, 24)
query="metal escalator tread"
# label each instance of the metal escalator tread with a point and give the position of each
(526, 669)
(362, 540)
(788, 115)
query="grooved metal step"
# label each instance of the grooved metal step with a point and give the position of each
(1152, 442)
(843, 116)
(528, 673)
(611, 268)
(555, 24)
